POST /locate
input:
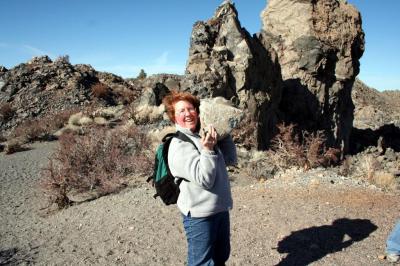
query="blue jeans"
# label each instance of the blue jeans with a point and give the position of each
(208, 239)
(393, 240)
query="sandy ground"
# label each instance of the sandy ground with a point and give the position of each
(277, 222)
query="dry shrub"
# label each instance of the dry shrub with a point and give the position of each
(287, 147)
(246, 132)
(346, 166)
(112, 112)
(61, 118)
(145, 114)
(129, 112)
(316, 152)
(2, 137)
(155, 136)
(369, 166)
(100, 90)
(32, 130)
(101, 160)
(75, 118)
(384, 179)
(42, 128)
(260, 169)
(13, 146)
(127, 96)
(310, 151)
(6, 112)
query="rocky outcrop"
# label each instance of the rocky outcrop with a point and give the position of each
(42, 87)
(300, 69)
(376, 119)
(319, 44)
(224, 60)
(158, 85)
(374, 109)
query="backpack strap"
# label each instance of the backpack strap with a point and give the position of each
(180, 136)
(183, 137)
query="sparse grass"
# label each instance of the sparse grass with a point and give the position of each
(370, 165)
(369, 168)
(101, 160)
(384, 179)
(145, 114)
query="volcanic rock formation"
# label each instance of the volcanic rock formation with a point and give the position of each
(319, 44)
(224, 60)
(300, 68)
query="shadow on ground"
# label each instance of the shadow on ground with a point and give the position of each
(311, 244)
(13, 256)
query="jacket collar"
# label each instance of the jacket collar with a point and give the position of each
(186, 131)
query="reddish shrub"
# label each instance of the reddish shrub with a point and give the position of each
(61, 118)
(317, 153)
(100, 90)
(309, 152)
(288, 146)
(246, 133)
(31, 130)
(127, 96)
(6, 111)
(101, 160)
(42, 128)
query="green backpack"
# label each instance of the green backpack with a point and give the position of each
(164, 182)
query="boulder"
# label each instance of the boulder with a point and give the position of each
(219, 113)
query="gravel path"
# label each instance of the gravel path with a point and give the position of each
(313, 220)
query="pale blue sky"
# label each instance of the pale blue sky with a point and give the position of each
(124, 36)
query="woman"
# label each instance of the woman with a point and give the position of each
(205, 197)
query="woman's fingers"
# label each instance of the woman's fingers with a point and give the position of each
(214, 133)
(210, 139)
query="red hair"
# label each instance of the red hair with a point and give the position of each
(175, 96)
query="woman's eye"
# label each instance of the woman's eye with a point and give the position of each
(190, 110)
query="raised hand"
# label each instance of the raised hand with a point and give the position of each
(210, 138)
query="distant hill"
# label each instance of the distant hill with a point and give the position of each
(373, 108)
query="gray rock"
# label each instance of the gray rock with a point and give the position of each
(219, 113)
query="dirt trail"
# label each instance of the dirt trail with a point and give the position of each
(278, 222)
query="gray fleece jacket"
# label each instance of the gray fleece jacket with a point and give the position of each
(207, 190)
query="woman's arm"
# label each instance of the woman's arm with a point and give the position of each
(187, 162)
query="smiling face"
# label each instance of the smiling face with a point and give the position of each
(186, 115)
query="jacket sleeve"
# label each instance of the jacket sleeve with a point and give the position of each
(187, 162)
(228, 149)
